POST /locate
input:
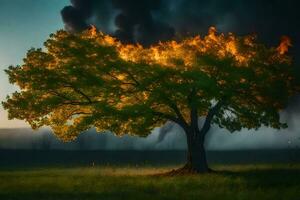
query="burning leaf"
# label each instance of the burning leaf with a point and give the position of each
(284, 45)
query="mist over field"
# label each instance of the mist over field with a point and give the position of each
(174, 139)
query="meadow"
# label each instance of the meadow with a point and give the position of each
(260, 181)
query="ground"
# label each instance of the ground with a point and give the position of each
(243, 182)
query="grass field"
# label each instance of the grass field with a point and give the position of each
(112, 182)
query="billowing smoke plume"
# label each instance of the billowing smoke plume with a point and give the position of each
(150, 21)
(135, 22)
(75, 17)
(133, 19)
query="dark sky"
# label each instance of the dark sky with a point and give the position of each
(150, 21)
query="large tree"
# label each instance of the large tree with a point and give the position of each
(85, 80)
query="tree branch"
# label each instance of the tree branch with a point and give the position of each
(78, 113)
(175, 108)
(80, 92)
(60, 95)
(211, 113)
(194, 110)
(70, 85)
(132, 77)
(116, 78)
(168, 117)
(69, 101)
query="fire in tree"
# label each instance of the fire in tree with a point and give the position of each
(90, 80)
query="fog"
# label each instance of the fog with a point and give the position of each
(173, 139)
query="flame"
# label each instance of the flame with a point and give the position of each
(93, 30)
(242, 80)
(186, 53)
(212, 34)
(284, 45)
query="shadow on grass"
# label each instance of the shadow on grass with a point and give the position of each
(267, 178)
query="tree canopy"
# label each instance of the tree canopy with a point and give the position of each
(89, 79)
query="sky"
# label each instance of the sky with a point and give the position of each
(23, 24)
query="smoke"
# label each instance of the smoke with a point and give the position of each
(75, 16)
(217, 139)
(133, 20)
(150, 21)
(164, 130)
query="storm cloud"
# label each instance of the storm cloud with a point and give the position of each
(151, 21)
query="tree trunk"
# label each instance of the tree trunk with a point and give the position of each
(196, 155)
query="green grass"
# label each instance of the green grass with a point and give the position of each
(231, 182)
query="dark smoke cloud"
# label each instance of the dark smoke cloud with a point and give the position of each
(133, 19)
(164, 130)
(75, 16)
(135, 22)
(150, 21)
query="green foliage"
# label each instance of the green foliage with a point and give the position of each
(85, 80)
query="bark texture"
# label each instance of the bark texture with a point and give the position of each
(196, 154)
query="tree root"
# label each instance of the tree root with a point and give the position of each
(186, 170)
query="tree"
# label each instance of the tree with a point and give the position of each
(90, 80)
